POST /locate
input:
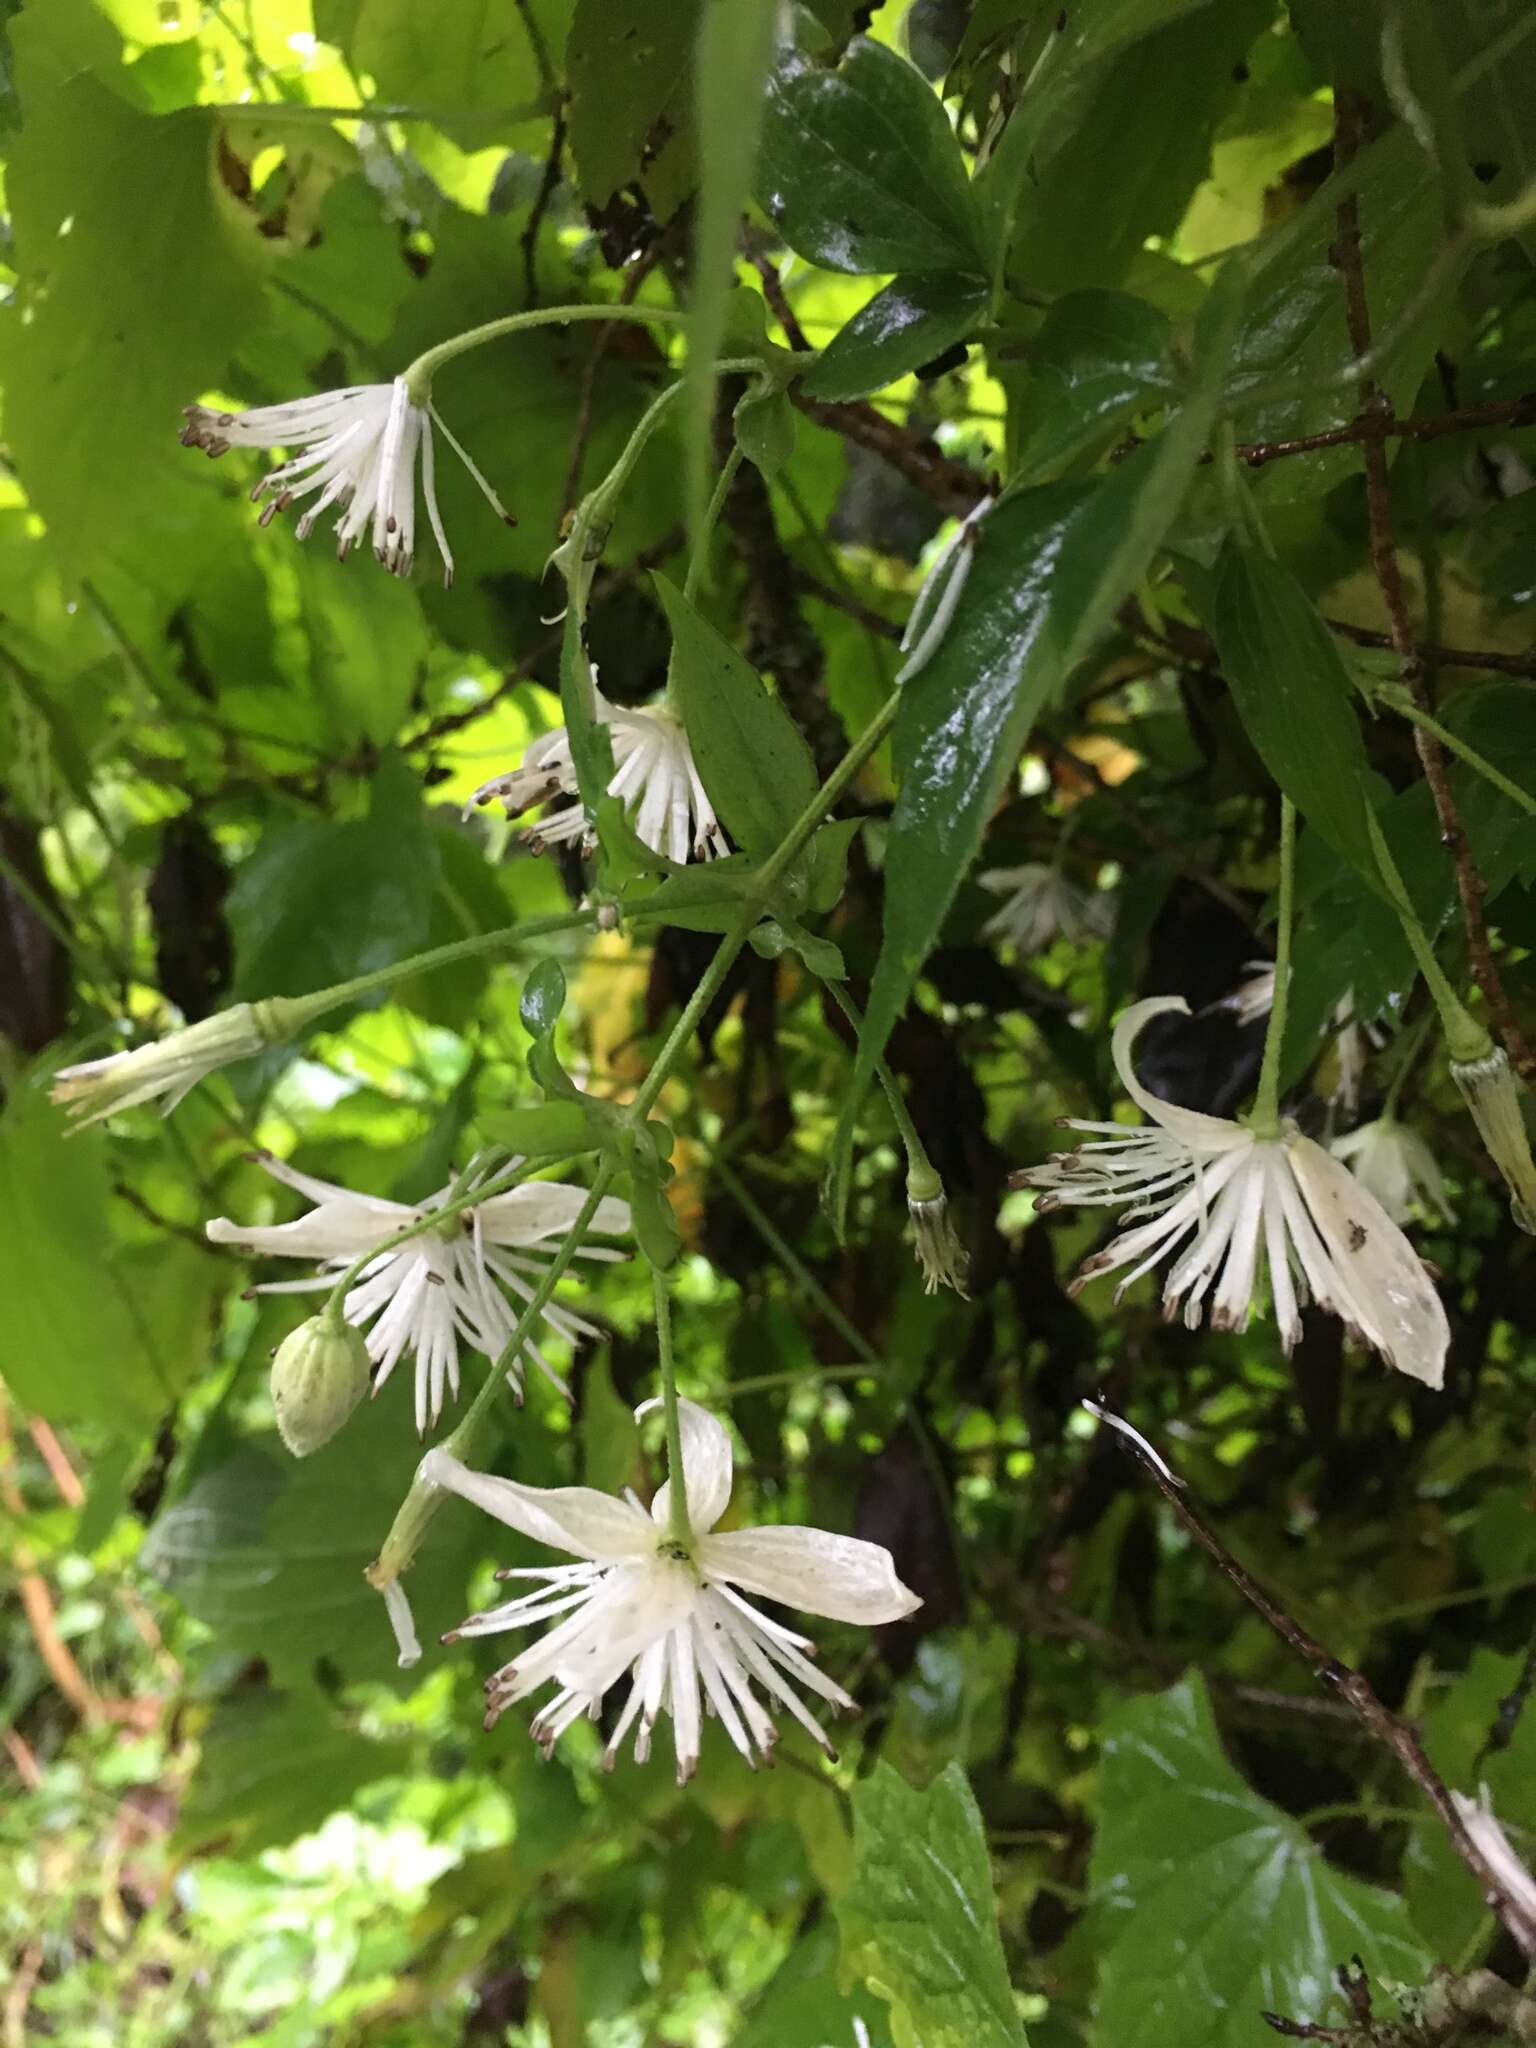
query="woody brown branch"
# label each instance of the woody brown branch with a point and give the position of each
(1351, 1686)
(1384, 426)
(1349, 128)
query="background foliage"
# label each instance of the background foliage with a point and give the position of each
(1061, 246)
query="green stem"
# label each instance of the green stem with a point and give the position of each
(1266, 1102)
(802, 1376)
(296, 1013)
(918, 1161)
(422, 1502)
(805, 1280)
(419, 375)
(1410, 1053)
(1399, 700)
(768, 876)
(677, 1490)
(1465, 1038)
(698, 560)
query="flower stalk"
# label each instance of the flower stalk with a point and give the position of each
(677, 1498)
(1265, 1117)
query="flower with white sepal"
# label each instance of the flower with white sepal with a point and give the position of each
(165, 1070)
(1393, 1161)
(1233, 1204)
(358, 453)
(1038, 903)
(654, 776)
(440, 1286)
(679, 1624)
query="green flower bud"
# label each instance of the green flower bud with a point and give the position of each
(319, 1374)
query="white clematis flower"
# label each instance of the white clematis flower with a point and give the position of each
(1393, 1161)
(654, 774)
(1254, 997)
(1228, 1200)
(434, 1289)
(678, 1625)
(359, 452)
(165, 1070)
(1039, 902)
(1482, 1824)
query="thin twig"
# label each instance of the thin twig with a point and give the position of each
(1442, 657)
(1379, 426)
(1349, 125)
(602, 335)
(529, 238)
(1350, 1685)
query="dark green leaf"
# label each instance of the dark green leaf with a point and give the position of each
(318, 902)
(1214, 1905)
(751, 757)
(1295, 698)
(707, 897)
(630, 68)
(860, 169)
(1118, 155)
(1099, 357)
(918, 1919)
(907, 325)
(734, 57)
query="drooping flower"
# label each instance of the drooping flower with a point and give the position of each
(359, 448)
(654, 774)
(436, 1288)
(943, 1258)
(1482, 1824)
(1254, 996)
(1039, 902)
(1492, 1093)
(165, 1070)
(678, 1624)
(1394, 1163)
(1231, 1202)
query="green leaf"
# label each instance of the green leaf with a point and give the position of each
(540, 1007)
(829, 864)
(478, 55)
(903, 327)
(272, 1558)
(765, 429)
(734, 57)
(1099, 357)
(706, 897)
(860, 169)
(367, 646)
(271, 1767)
(1294, 334)
(1050, 568)
(918, 1919)
(630, 73)
(318, 902)
(803, 2005)
(1114, 153)
(751, 757)
(591, 746)
(1295, 698)
(1212, 1904)
(93, 1332)
(123, 313)
(610, 1436)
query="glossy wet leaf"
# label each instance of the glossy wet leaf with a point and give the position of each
(912, 321)
(1099, 357)
(860, 170)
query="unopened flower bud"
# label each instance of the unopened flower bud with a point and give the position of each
(1493, 1095)
(319, 1374)
(169, 1067)
(944, 1260)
